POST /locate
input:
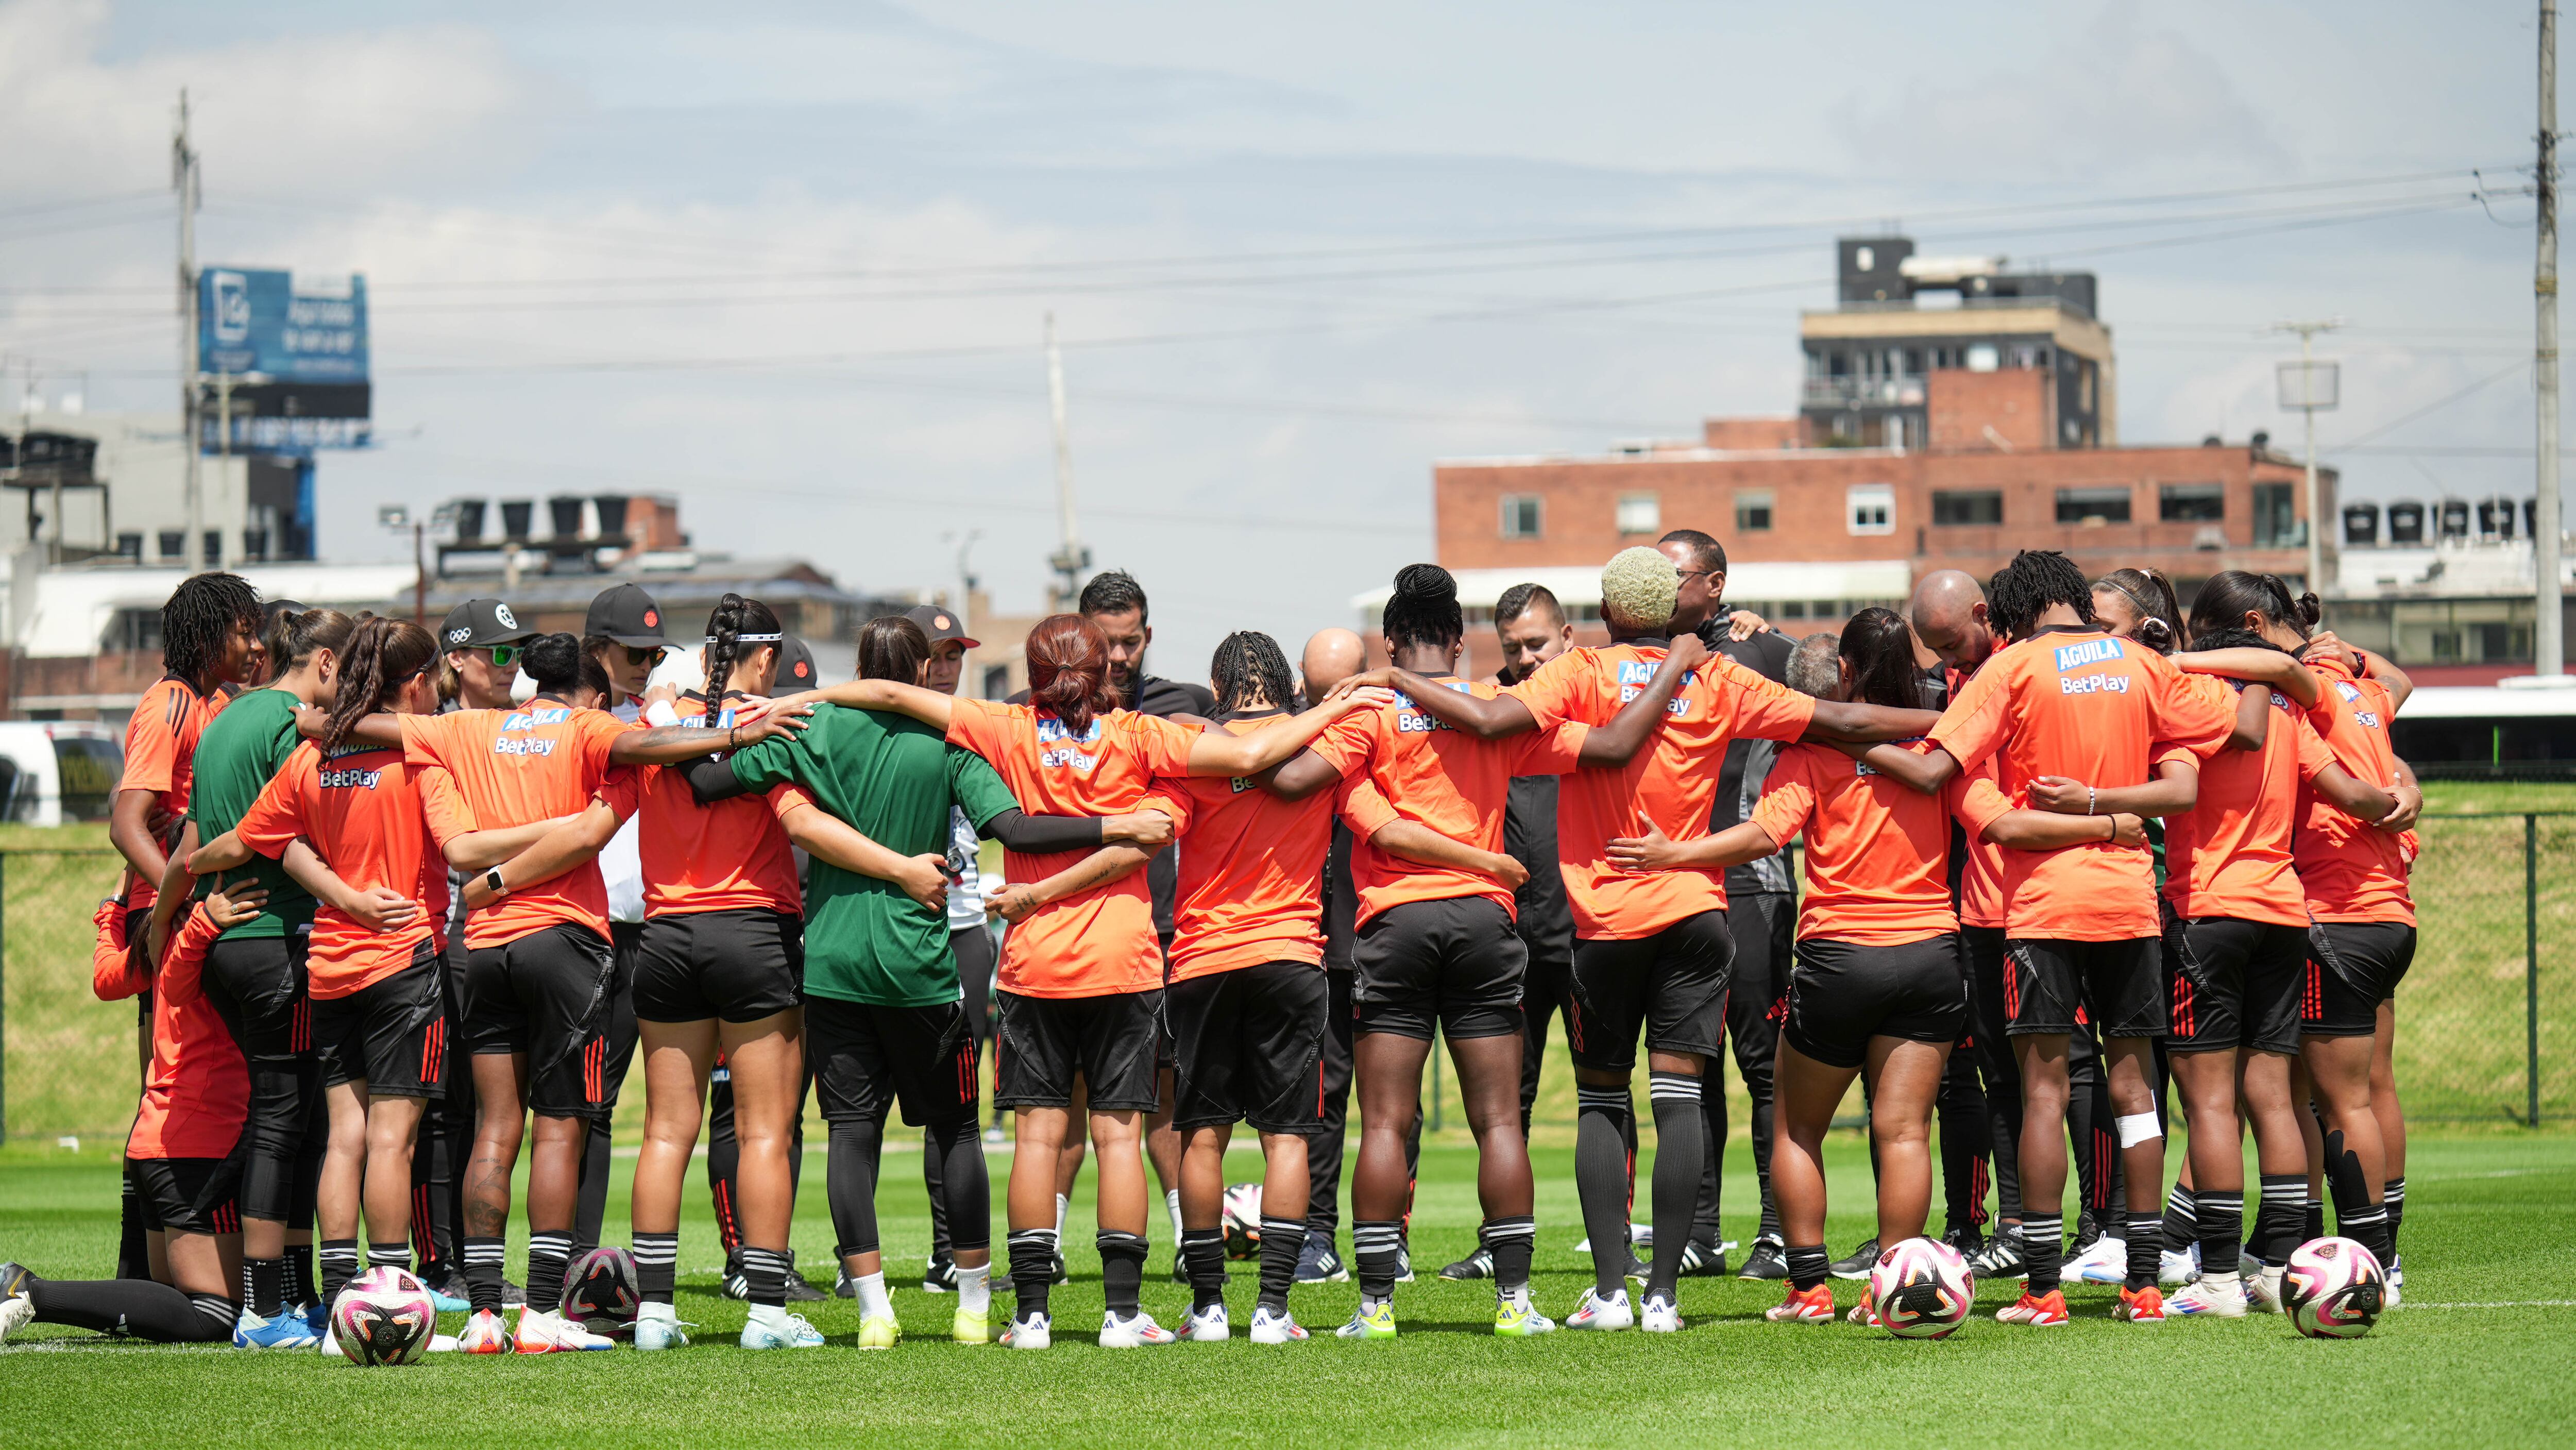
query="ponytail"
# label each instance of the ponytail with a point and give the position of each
(383, 656)
(2231, 594)
(1069, 671)
(294, 635)
(736, 622)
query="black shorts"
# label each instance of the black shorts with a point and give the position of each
(1041, 1044)
(2233, 984)
(869, 1060)
(256, 984)
(1250, 1047)
(1453, 964)
(1843, 994)
(188, 1195)
(737, 965)
(1673, 984)
(2353, 966)
(545, 994)
(2120, 986)
(391, 1033)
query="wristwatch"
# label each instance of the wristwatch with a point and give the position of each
(492, 878)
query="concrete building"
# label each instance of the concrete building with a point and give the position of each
(114, 485)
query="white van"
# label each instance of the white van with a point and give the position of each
(57, 771)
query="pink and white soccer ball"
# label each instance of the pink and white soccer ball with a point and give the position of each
(2334, 1289)
(385, 1316)
(1242, 1220)
(1923, 1289)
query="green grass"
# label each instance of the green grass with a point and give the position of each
(2489, 796)
(2486, 1227)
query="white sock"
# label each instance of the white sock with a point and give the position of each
(2221, 1281)
(873, 1303)
(1516, 1298)
(772, 1316)
(651, 1310)
(975, 1288)
(1371, 1301)
(1172, 1201)
(1062, 1203)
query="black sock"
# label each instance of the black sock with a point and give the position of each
(264, 1286)
(301, 1287)
(2312, 1219)
(590, 1205)
(1122, 1269)
(482, 1272)
(1602, 1156)
(395, 1255)
(133, 1247)
(850, 1183)
(2146, 1246)
(1032, 1269)
(1510, 1241)
(339, 1266)
(657, 1266)
(2182, 1215)
(2043, 1249)
(1282, 1240)
(1203, 1256)
(1679, 1147)
(2368, 1227)
(549, 1256)
(1378, 1247)
(1807, 1266)
(2393, 1198)
(2222, 1222)
(2277, 1226)
(2356, 1217)
(764, 1274)
(140, 1307)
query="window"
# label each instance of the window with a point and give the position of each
(1870, 508)
(1641, 513)
(1981, 357)
(1793, 609)
(132, 630)
(90, 768)
(1520, 516)
(2191, 503)
(174, 543)
(1978, 506)
(2276, 524)
(1753, 512)
(129, 547)
(2092, 505)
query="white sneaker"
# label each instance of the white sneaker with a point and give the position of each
(331, 1347)
(771, 1327)
(2248, 1267)
(1660, 1316)
(1596, 1312)
(542, 1333)
(2106, 1262)
(2263, 1290)
(1205, 1326)
(2390, 1292)
(444, 1343)
(1034, 1332)
(657, 1326)
(2175, 1267)
(16, 1313)
(1134, 1332)
(2208, 1298)
(1283, 1330)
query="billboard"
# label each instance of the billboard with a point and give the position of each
(293, 349)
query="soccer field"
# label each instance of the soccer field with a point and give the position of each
(2478, 1355)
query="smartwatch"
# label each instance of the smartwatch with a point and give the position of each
(492, 878)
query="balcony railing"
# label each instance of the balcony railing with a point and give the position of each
(1864, 392)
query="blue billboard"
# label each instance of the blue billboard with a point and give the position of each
(293, 329)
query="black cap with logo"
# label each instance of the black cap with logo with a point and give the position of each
(627, 615)
(478, 623)
(795, 667)
(940, 623)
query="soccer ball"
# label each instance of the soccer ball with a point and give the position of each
(601, 1291)
(2333, 1289)
(385, 1316)
(1922, 1288)
(1242, 1220)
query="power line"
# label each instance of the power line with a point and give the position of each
(2384, 429)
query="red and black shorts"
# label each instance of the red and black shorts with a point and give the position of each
(2353, 966)
(1041, 1045)
(390, 1034)
(869, 1060)
(1843, 994)
(737, 965)
(189, 1195)
(2119, 985)
(2232, 984)
(1671, 985)
(545, 995)
(1249, 1047)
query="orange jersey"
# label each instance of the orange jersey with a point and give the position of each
(2081, 703)
(196, 1093)
(1102, 940)
(731, 855)
(2351, 869)
(368, 818)
(514, 768)
(1981, 873)
(2229, 855)
(1251, 885)
(1448, 780)
(1878, 852)
(114, 973)
(1672, 783)
(161, 754)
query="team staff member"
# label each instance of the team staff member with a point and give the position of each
(1331, 656)
(1081, 977)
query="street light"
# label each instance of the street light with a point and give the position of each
(2311, 387)
(395, 518)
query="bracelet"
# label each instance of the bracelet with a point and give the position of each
(2112, 834)
(2088, 800)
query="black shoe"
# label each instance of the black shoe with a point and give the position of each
(2001, 1258)
(1863, 1259)
(447, 1282)
(1703, 1259)
(1477, 1265)
(939, 1276)
(801, 1290)
(14, 1279)
(1181, 1272)
(843, 1286)
(1062, 1275)
(512, 1296)
(1966, 1239)
(735, 1286)
(1638, 1268)
(1767, 1261)
(2086, 1231)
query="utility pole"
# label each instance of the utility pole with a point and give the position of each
(2548, 640)
(183, 179)
(2309, 401)
(1070, 557)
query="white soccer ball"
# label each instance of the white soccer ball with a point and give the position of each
(1922, 1288)
(385, 1316)
(2333, 1289)
(1242, 1220)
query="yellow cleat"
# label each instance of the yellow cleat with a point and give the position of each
(879, 1331)
(971, 1326)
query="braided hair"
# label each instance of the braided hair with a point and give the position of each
(735, 617)
(1423, 611)
(554, 662)
(383, 656)
(200, 619)
(1248, 666)
(2023, 590)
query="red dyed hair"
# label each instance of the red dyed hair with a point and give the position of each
(1069, 670)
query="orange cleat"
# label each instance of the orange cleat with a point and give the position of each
(1807, 1306)
(2141, 1306)
(2039, 1311)
(1863, 1313)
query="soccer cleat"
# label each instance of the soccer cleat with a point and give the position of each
(734, 1285)
(2177, 1267)
(2140, 1306)
(1596, 1312)
(1477, 1265)
(287, 1331)
(1207, 1326)
(1862, 1260)
(1318, 1264)
(1404, 1261)
(444, 1344)
(773, 1328)
(845, 1287)
(971, 1326)
(2039, 1311)
(485, 1333)
(543, 1333)
(879, 1331)
(2263, 1289)
(2208, 1299)
(2104, 1261)
(939, 1276)
(1767, 1261)
(1062, 1275)
(1136, 1331)
(14, 1279)
(2001, 1258)
(1968, 1239)
(1520, 1321)
(1804, 1306)
(331, 1347)
(1370, 1323)
(1864, 1314)
(1283, 1328)
(1704, 1259)
(801, 1290)
(447, 1286)
(512, 1296)
(16, 1313)
(317, 1317)
(1637, 1269)
(656, 1327)
(1659, 1315)
(1034, 1332)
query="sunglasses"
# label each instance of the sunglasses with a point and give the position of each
(638, 656)
(505, 655)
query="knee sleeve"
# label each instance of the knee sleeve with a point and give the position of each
(852, 1185)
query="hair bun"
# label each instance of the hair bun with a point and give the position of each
(1427, 584)
(2310, 609)
(2156, 635)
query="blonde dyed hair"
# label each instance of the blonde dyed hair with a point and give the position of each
(1640, 586)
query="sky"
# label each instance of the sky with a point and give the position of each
(793, 264)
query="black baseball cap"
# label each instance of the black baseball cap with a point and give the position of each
(940, 623)
(627, 615)
(478, 623)
(795, 667)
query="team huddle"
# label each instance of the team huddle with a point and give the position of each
(400, 910)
